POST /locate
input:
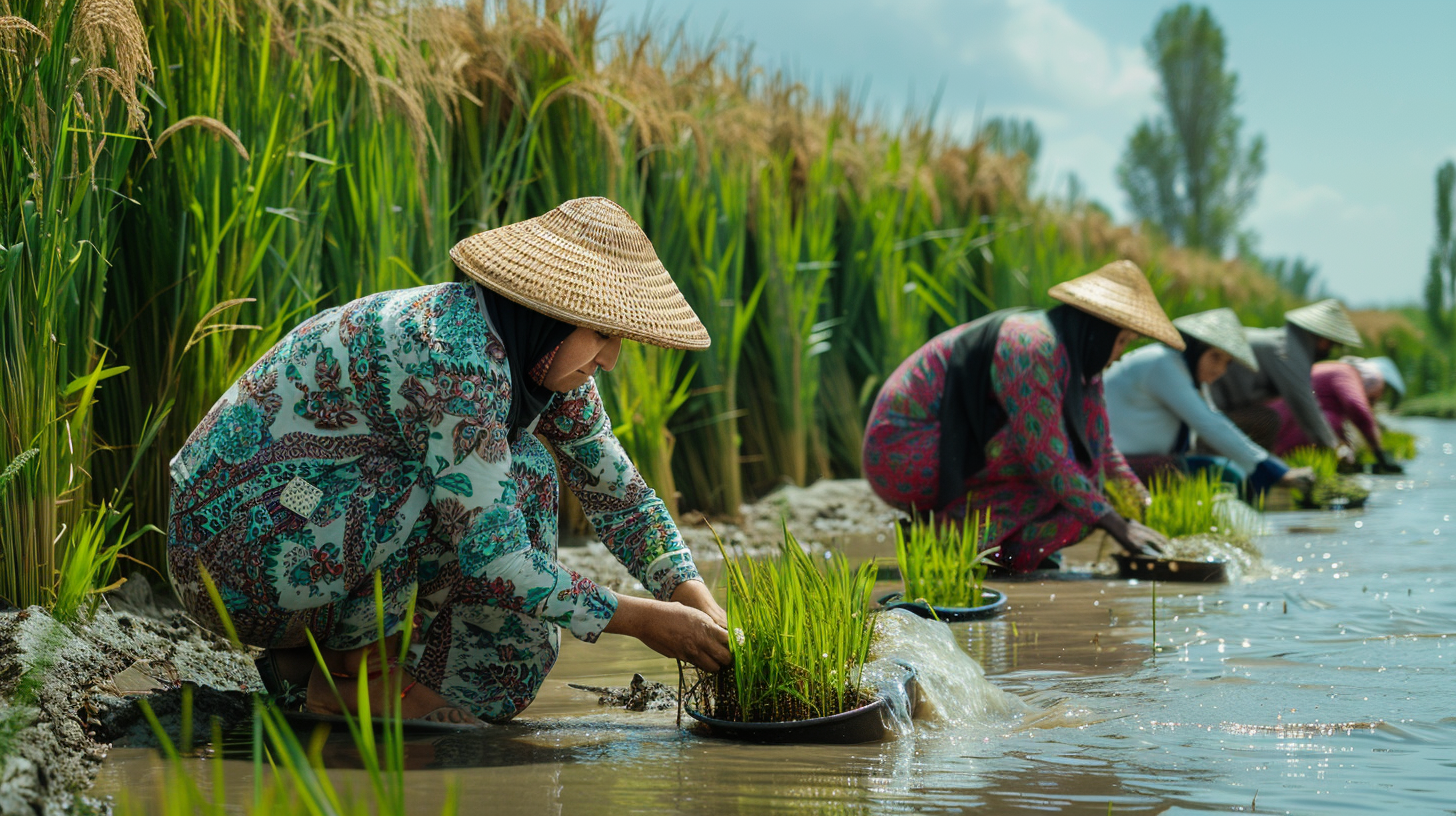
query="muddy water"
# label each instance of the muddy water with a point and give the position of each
(1326, 686)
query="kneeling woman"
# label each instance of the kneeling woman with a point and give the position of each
(1009, 410)
(1157, 405)
(394, 435)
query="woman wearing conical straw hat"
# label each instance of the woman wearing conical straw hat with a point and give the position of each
(393, 437)
(1005, 416)
(1158, 403)
(1346, 390)
(1285, 357)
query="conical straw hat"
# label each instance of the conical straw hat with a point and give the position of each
(586, 263)
(1119, 293)
(1221, 329)
(1327, 319)
(1382, 367)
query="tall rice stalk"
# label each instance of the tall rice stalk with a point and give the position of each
(699, 224)
(69, 75)
(794, 234)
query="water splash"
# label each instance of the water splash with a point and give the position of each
(953, 688)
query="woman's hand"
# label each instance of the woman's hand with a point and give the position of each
(1134, 536)
(674, 630)
(697, 595)
(1298, 478)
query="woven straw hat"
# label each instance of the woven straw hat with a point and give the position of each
(1221, 329)
(1327, 319)
(1119, 293)
(586, 263)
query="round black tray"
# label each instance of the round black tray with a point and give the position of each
(1170, 569)
(993, 604)
(868, 723)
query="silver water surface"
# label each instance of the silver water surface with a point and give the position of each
(1326, 687)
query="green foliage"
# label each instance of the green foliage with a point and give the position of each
(1186, 171)
(1330, 488)
(290, 778)
(800, 630)
(1188, 506)
(94, 546)
(943, 564)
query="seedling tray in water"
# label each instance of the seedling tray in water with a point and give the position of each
(1170, 569)
(992, 603)
(868, 723)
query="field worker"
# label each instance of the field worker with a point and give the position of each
(1285, 357)
(1009, 410)
(1346, 390)
(1158, 403)
(397, 435)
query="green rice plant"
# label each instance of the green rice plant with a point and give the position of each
(70, 73)
(1322, 461)
(1398, 445)
(1125, 499)
(642, 394)
(943, 564)
(795, 256)
(1330, 488)
(94, 546)
(1184, 506)
(800, 630)
(698, 222)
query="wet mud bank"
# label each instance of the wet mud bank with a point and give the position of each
(68, 692)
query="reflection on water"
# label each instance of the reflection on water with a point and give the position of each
(1324, 687)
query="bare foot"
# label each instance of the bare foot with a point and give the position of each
(420, 702)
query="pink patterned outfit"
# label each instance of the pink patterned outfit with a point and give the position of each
(1040, 498)
(1341, 396)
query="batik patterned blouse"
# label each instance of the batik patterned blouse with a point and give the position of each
(400, 398)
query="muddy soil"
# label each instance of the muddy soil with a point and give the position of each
(72, 692)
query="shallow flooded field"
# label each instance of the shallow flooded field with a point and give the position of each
(1327, 687)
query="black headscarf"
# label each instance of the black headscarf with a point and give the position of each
(528, 336)
(1193, 349)
(970, 414)
(1088, 340)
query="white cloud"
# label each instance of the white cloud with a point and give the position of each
(1063, 57)
(1281, 197)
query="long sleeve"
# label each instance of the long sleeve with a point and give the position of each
(455, 396)
(1173, 387)
(1339, 386)
(1292, 379)
(1029, 376)
(631, 520)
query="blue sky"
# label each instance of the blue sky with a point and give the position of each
(1356, 101)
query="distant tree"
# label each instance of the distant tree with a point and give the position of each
(1296, 276)
(1011, 136)
(1185, 170)
(1441, 277)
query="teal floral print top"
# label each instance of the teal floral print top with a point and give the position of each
(393, 405)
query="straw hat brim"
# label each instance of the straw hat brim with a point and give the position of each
(1221, 329)
(586, 263)
(1327, 319)
(1120, 294)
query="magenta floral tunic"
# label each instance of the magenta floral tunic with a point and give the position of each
(1038, 496)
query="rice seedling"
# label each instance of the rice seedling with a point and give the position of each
(1399, 445)
(800, 632)
(943, 564)
(1330, 488)
(1184, 506)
